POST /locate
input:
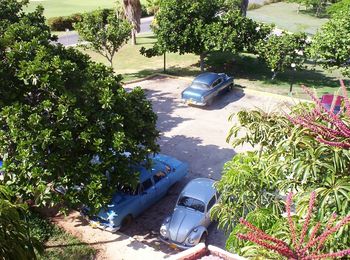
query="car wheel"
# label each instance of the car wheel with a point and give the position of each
(126, 223)
(209, 102)
(204, 238)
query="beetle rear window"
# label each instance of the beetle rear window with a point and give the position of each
(192, 203)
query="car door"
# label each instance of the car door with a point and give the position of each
(161, 183)
(148, 194)
(211, 203)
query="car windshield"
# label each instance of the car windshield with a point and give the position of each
(192, 203)
(199, 85)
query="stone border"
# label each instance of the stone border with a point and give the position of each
(201, 250)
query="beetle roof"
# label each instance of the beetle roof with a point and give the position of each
(206, 78)
(200, 188)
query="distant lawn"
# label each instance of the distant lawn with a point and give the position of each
(246, 68)
(284, 16)
(68, 7)
(132, 64)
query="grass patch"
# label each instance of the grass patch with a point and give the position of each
(58, 243)
(285, 16)
(129, 62)
(250, 72)
(68, 7)
(247, 69)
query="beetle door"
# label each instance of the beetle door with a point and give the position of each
(211, 203)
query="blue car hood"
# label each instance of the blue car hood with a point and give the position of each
(194, 93)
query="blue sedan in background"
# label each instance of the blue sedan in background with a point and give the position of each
(129, 203)
(205, 87)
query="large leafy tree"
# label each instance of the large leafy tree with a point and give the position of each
(331, 44)
(200, 27)
(105, 32)
(234, 33)
(181, 25)
(281, 51)
(65, 120)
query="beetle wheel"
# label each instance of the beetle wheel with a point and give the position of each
(126, 223)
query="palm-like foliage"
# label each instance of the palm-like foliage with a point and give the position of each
(132, 10)
(301, 247)
(289, 158)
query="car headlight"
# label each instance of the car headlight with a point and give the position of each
(163, 230)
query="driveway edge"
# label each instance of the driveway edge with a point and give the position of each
(246, 90)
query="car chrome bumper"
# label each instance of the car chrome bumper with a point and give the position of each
(173, 244)
(97, 224)
(193, 102)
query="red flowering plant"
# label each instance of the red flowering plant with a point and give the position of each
(302, 247)
(330, 127)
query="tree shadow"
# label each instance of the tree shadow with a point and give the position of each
(204, 161)
(247, 66)
(177, 140)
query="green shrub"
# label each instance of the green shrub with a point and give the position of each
(144, 12)
(39, 228)
(61, 23)
(253, 6)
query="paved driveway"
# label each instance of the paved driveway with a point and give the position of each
(194, 135)
(191, 134)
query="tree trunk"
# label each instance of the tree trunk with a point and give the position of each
(244, 7)
(133, 37)
(274, 75)
(201, 61)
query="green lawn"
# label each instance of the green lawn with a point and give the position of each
(247, 69)
(129, 62)
(285, 16)
(58, 244)
(68, 7)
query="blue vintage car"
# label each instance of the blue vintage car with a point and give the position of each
(154, 184)
(205, 87)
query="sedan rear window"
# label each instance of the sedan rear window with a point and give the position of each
(198, 85)
(191, 203)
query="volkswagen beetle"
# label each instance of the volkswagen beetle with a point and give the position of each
(187, 225)
(205, 87)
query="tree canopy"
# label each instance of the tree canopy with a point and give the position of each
(331, 44)
(202, 26)
(105, 32)
(65, 121)
(280, 52)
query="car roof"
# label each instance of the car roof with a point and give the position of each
(207, 78)
(156, 166)
(200, 188)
